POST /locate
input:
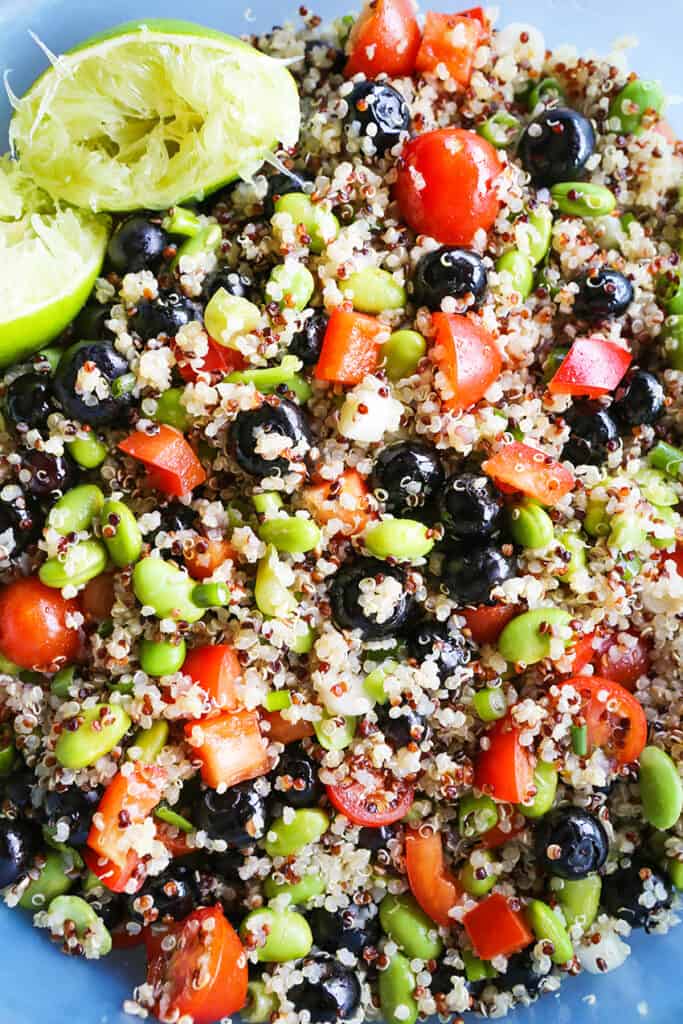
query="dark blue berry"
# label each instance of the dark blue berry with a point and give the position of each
(439, 643)
(29, 400)
(334, 995)
(353, 928)
(164, 315)
(470, 574)
(137, 244)
(470, 507)
(91, 407)
(625, 889)
(295, 779)
(602, 293)
(233, 281)
(345, 594)
(571, 843)
(379, 113)
(555, 146)
(593, 434)
(48, 473)
(449, 273)
(638, 400)
(18, 844)
(307, 343)
(238, 816)
(407, 477)
(75, 806)
(276, 416)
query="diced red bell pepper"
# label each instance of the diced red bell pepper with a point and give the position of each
(451, 40)
(128, 800)
(218, 361)
(487, 622)
(504, 769)
(479, 14)
(207, 556)
(467, 356)
(496, 837)
(216, 668)
(345, 499)
(172, 466)
(530, 471)
(283, 731)
(583, 652)
(230, 747)
(495, 929)
(174, 839)
(593, 367)
(350, 349)
(431, 883)
(385, 38)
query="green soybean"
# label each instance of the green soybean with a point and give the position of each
(166, 589)
(283, 935)
(627, 533)
(121, 533)
(667, 458)
(501, 129)
(661, 788)
(537, 241)
(52, 881)
(518, 267)
(476, 815)
(373, 290)
(277, 700)
(630, 104)
(171, 411)
(181, 221)
(291, 285)
(579, 899)
(161, 657)
(227, 317)
(320, 224)
(84, 919)
(546, 91)
(76, 509)
(148, 743)
(670, 291)
(672, 338)
(285, 838)
(675, 870)
(300, 893)
(267, 503)
(545, 781)
(261, 1004)
(546, 926)
(596, 522)
(530, 524)
(99, 730)
(374, 683)
(404, 539)
(583, 199)
(89, 452)
(294, 534)
(396, 988)
(8, 750)
(401, 354)
(271, 595)
(476, 969)
(165, 813)
(335, 732)
(211, 595)
(207, 239)
(576, 547)
(404, 921)
(669, 518)
(526, 638)
(270, 378)
(81, 563)
(303, 640)
(477, 881)
(655, 487)
(490, 704)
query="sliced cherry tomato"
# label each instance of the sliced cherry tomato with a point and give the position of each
(174, 839)
(621, 663)
(583, 652)
(121, 938)
(230, 747)
(454, 163)
(614, 718)
(593, 367)
(127, 800)
(345, 499)
(282, 731)
(34, 629)
(431, 883)
(388, 801)
(172, 465)
(350, 349)
(218, 361)
(128, 878)
(216, 668)
(495, 929)
(204, 976)
(505, 769)
(385, 38)
(468, 358)
(496, 837)
(486, 623)
(206, 556)
(479, 14)
(451, 40)
(525, 469)
(97, 597)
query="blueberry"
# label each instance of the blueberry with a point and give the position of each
(238, 816)
(638, 400)
(23, 516)
(402, 728)
(307, 343)
(77, 807)
(176, 517)
(593, 434)
(295, 779)
(48, 473)
(110, 906)
(449, 273)
(89, 325)
(334, 995)
(18, 844)
(346, 595)
(174, 894)
(375, 839)
(520, 970)
(602, 293)
(380, 112)
(233, 281)
(137, 244)
(438, 643)
(29, 400)
(555, 146)
(352, 928)
(470, 574)
(18, 791)
(274, 416)
(571, 843)
(407, 477)
(470, 507)
(636, 892)
(226, 864)
(100, 401)
(164, 315)
(444, 978)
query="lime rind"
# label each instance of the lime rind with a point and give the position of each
(152, 113)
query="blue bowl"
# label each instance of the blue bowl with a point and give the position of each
(41, 986)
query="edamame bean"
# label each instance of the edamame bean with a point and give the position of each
(576, 547)
(277, 700)
(490, 704)
(8, 751)
(655, 487)
(76, 509)
(373, 290)
(672, 338)
(299, 892)
(546, 926)
(596, 521)
(281, 935)
(670, 291)
(285, 838)
(121, 533)
(518, 269)
(579, 899)
(545, 782)
(261, 1004)
(320, 224)
(89, 927)
(404, 921)
(548, 90)
(170, 410)
(335, 732)
(181, 221)
(62, 682)
(476, 969)
(270, 378)
(211, 595)
(404, 539)
(81, 562)
(207, 239)
(396, 988)
(630, 104)
(227, 317)
(268, 503)
(530, 524)
(401, 353)
(270, 590)
(583, 199)
(501, 129)
(374, 683)
(476, 815)
(161, 657)
(148, 743)
(669, 518)
(291, 285)
(675, 870)
(627, 533)
(165, 813)
(527, 638)
(661, 788)
(97, 731)
(51, 882)
(477, 879)
(304, 639)
(89, 452)
(536, 241)
(667, 458)
(165, 589)
(294, 534)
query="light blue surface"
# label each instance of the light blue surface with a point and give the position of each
(39, 985)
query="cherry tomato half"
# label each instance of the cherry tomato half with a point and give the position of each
(486, 623)
(622, 663)
(468, 358)
(385, 38)
(431, 883)
(504, 769)
(388, 801)
(614, 718)
(33, 625)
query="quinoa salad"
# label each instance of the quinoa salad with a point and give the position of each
(340, 534)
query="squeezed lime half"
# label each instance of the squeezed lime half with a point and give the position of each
(152, 113)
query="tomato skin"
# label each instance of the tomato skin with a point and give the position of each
(129, 878)
(203, 564)
(495, 929)
(487, 622)
(431, 883)
(127, 800)
(525, 469)
(348, 503)
(216, 668)
(33, 629)
(584, 652)
(205, 937)
(625, 716)
(282, 731)
(467, 356)
(218, 361)
(458, 169)
(479, 14)
(385, 37)
(438, 47)
(623, 665)
(495, 836)
(350, 349)
(231, 748)
(505, 770)
(592, 367)
(172, 466)
(175, 841)
(353, 801)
